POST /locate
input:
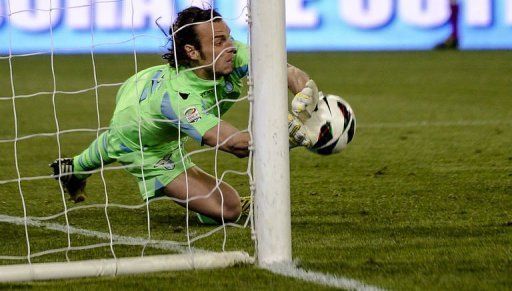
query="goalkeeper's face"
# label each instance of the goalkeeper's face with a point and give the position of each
(216, 48)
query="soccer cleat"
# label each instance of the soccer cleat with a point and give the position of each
(63, 171)
(246, 205)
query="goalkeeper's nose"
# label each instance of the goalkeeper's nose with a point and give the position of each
(231, 48)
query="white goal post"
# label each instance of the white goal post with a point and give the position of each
(270, 134)
(270, 170)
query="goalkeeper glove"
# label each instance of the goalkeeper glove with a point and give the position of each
(297, 133)
(304, 102)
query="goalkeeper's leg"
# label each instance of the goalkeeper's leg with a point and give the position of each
(69, 171)
(221, 203)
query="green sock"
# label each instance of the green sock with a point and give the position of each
(206, 220)
(90, 159)
(210, 221)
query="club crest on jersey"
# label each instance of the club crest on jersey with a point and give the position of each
(228, 87)
(192, 114)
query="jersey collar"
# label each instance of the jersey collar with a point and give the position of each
(187, 80)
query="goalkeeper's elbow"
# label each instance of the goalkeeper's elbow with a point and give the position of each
(238, 151)
(239, 147)
(241, 153)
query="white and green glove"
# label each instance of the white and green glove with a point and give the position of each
(304, 102)
(297, 133)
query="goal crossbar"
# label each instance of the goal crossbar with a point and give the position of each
(122, 266)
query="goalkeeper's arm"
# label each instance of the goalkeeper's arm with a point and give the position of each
(228, 138)
(304, 102)
(305, 91)
(296, 79)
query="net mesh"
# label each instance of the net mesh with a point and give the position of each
(53, 105)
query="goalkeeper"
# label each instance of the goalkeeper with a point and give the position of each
(160, 107)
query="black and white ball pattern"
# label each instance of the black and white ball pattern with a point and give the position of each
(332, 125)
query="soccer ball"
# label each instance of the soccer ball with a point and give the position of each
(332, 125)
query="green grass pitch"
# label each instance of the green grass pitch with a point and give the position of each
(422, 198)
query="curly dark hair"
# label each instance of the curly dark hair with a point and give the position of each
(188, 34)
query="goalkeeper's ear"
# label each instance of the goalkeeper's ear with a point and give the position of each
(192, 52)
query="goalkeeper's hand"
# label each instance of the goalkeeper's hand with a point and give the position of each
(305, 101)
(297, 133)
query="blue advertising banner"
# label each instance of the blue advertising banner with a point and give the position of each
(110, 26)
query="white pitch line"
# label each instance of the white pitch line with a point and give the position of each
(288, 270)
(159, 244)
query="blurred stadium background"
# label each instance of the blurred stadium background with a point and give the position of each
(422, 198)
(318, 25)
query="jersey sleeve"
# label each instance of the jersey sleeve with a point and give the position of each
(186, 113)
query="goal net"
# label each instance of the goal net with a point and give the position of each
(57, 95)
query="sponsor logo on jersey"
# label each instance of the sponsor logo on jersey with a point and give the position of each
(192, 114)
